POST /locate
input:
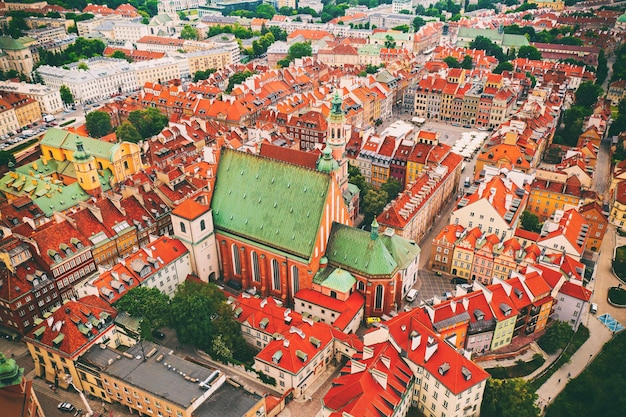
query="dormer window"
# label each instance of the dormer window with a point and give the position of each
(77, 243)
(54, 255)
(65, 249)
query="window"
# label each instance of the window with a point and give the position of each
(236, 260)
(202, 225)
(275, 275)
(378, 300)
(183, 229)
(295, 279)
(360, 285)
(256, 272)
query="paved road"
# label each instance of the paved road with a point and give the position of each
(602, 171)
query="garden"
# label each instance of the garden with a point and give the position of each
(617, 296)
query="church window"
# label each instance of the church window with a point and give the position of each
(275, 275)
(378, 299)
(256, 272)
(202, 225)
(360, 286)
(183, 229)
(236, 260)
(295, 279)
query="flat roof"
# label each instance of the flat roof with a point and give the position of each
(228, 401)
(171, 378)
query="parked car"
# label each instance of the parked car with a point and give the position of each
(457, 280)
(411, 295)
(594, 308)
(158, 334)
(66, 407)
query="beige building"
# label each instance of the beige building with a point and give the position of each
(27, 110)
(19, 56)
(49, 98)
(8, 118)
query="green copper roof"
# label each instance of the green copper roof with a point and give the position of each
(371, 49)
(335, 278)
(355, 250)
(270, 202)
(402, 250)
(59, 138)
(327, 163)
(622, 18)
(62, 199)
(11, 44)
(493, 35)
(10, 372)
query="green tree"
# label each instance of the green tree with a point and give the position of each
(6, 158)
(467, 62)
(452, 62)
(603, 70)
(83, 66)
(201, 317)
(556, 337)
(390, 42)
(189, 32)
(490, 48)
(148, 122)
(587, 94)
(237, 78)
(265, 11)
(121, 55)
(503, 66)
(355, 177)
(148, 303)
(418, 22)
(401, 28)
(126, 132)
(300, 49)
(66, 95)
(203, 75)
(98, 123)
(373, 203)
(509, 398)
(392, 187)
(621, 106)
(530, 222)
(530, 52)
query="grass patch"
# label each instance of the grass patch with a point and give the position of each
(617, 295)
(520, 368)
(69, 122)
(619, 263)
(599, 390)
(579, 338)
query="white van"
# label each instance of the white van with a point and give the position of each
(411, 295)
(594, 308)
(467, 181)
(49, 118)
(28, 132)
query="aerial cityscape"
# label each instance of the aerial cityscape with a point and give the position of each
(313, 208)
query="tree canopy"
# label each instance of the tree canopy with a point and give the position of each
(81, 49)
(509, 398)
(490, 48)
(530, 222)
(587, 94)
(530, 52)
(66, 95)
(148, 122)
(237, 78)
(201, 317)
(5, 158)
(148, 303)
(126, 132)
(452, 62)
(556, 337)
(98, 123)
(189, 32)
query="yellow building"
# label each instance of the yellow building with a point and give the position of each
(61, 337)
(556, 5)
(8, 118)
(162, 385)
(121, 159)
(618, 212)
(547, 196)
(27, 110)
(211, 59)
(463, 255)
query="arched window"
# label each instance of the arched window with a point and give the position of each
(236, 260)
(256, 272)
(183, 229)
(295, 279)
(202, 225)
(360, 285)
(378, 299)
(275, 275)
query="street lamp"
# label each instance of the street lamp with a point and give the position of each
(68, 379)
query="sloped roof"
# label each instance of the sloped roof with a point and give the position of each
(62, 139)
(269, 201)
(575, 290)
(190, 209)
(355, 250)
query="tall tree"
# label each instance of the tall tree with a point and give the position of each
(509, 398)
(390, 42)
(300, 49)
(148, 122)
(66, 95)
(98, 123)
(530, 222)
(189, 32)
(556, 336)
(587, 94)
(373, 203)
(452, 62)
(126, 132)
(418, 22)
(530, 52)
(148, 303)
(392, 187)
(467, 62)
(6, 158)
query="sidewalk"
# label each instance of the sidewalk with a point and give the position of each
(527, 356)
(598, 336)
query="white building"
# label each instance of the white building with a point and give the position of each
(572, 300)
(105, 77)
(193, 225)
(565, 232)
(399, 5)
(172, 6)
(159, 70)
(49, 98)
(129, 31)
(8, 120)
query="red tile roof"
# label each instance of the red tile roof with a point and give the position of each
(360, 390)
(576, 290)
(190, 209)
(71, 320)
(292, 156)
(347, 309)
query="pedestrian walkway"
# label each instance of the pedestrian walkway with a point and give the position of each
(598, 336)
